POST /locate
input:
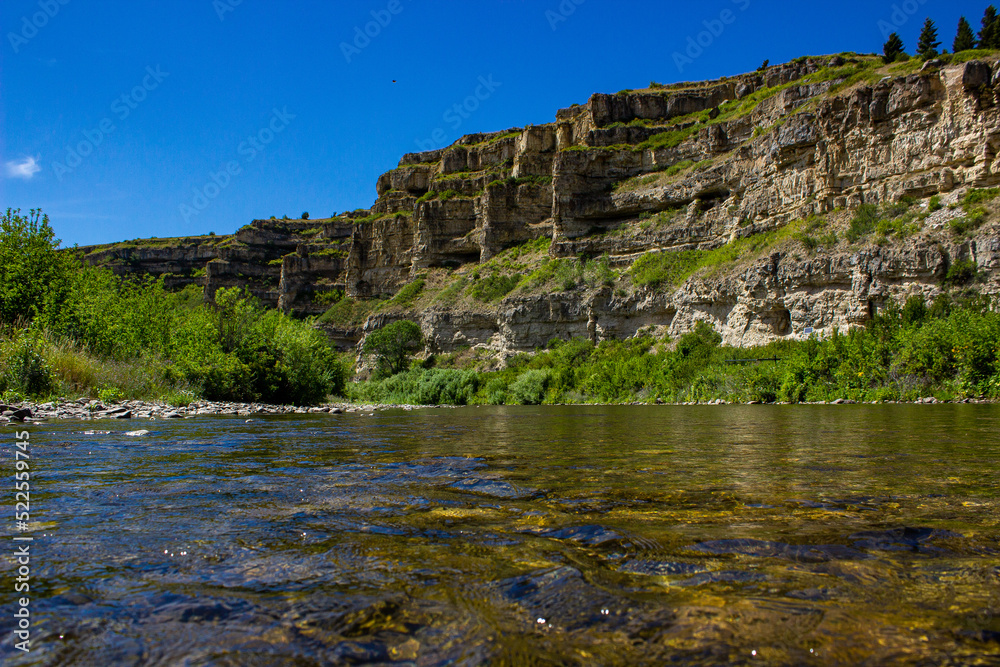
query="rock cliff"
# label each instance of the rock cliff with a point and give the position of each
(791, 200)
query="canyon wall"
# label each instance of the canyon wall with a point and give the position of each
(688, 167)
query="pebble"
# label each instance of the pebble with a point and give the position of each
(89, 409)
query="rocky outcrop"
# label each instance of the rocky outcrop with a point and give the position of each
(708, 163)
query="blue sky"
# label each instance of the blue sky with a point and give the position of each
(140, 118)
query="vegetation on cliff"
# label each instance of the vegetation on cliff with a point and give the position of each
(949, 349)
(69, 328)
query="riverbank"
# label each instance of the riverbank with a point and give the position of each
(86, 409)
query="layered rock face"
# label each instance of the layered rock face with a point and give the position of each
(710, 163)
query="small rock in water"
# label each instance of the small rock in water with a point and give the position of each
(137, 434)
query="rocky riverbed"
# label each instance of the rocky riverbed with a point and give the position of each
(90, 409)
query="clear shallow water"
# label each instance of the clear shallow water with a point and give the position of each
(690, 535)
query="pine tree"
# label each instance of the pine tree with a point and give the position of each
(989, 36)
(928, 44)
(892, 48)
(964, 38)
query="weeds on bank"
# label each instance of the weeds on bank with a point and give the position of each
(947, 349)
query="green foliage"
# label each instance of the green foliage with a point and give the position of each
(328, 298)
(408, 293)
(493, 287)
(961, 273)
(904, 353)
(965, 40)
(236, 350)
(989, 35)
(892, 48)
(927, 46)
(813, 236)
(93, 331)
(418, 386)
(669, 268)
(24, 370)
(305, 215)
(392, 346)
(670, 139)
(529, 388)
(347, 312)
(449, 295)
(567, 274)
(976, 197)
(975, 213)
(32, 268)
(449, 194)
(889, 219)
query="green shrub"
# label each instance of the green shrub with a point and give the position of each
(392, 346)
(530, 386)
(25, 370)
(493, 287)
(961, 273)
(427, 197)
(663, 269)
(32, 268)
(418, 386)
(347, 312)
(408, 293)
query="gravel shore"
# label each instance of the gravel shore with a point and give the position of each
(90, 409)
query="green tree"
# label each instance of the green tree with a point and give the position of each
(989, 35)
(892, 49)
(965, 40)
(927, 46)
(392, 346)
(31, 264)
(305, 215)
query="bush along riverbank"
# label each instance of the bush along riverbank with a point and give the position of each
(948, 350)
(69, 329)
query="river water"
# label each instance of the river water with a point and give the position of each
(772, 535)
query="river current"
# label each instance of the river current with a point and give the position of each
(702, 535)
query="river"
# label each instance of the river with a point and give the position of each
(777, 535)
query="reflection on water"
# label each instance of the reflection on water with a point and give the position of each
(579, 535)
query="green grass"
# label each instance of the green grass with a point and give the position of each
(942, 349)
(405, 297)
(658, 269)
(448, 296)
(507, 135)
(893, 219)
(347, 312)
(670, 139)
(672, 268)
(493, 287)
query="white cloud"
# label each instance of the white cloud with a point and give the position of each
(25, 168)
